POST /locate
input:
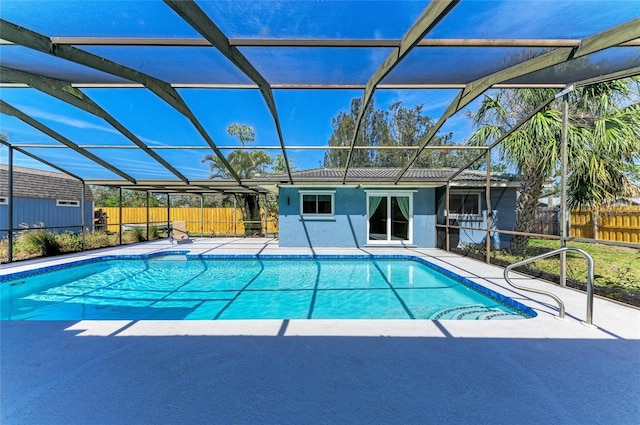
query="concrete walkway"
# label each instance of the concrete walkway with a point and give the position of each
(540, 370)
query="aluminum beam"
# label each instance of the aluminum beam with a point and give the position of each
(318, 42)
(194, 16)
(41, 43)
(603, 40)
(435, 11)
(64, 91)
(37, 158)
(7, 109)
(259, 147)
(603, 78)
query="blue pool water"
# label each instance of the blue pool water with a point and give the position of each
(177, 288)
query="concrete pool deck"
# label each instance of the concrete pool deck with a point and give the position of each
(539, 370)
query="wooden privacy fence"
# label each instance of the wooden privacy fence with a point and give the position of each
(621, 223)
(205, 221)
(547, 221)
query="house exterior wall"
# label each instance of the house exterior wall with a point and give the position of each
(32, 212)
(348, 227)
(503, 205)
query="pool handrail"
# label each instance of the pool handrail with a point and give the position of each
(589, 321)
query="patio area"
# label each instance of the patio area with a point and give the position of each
(538, 370)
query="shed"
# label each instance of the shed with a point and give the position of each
(320, 211)
(44, 198)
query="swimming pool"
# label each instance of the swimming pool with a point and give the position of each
(180, 287)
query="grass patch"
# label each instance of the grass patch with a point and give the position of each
(616, 269)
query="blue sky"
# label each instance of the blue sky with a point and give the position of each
(305, 119)
(305, 115)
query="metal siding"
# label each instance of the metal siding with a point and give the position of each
(4, 219)
(31, 212)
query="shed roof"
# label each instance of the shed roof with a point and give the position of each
(33, 183)
(427, 176)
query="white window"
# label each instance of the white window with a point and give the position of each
(4, 200)
(465, 205)
(317, 204)
(67, 203)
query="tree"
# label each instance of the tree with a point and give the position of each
(247, 164)
(109, 197)
(280, 166)
(603, 144)
(396, 128)
(344, 124)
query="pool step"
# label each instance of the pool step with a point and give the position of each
(473, 312)
(169, 257)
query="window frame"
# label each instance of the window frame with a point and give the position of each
(316, 215)
(68, 203)
(465, 193)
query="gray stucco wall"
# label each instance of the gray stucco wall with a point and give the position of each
(503, 205)
(349, 226)
(34, 211)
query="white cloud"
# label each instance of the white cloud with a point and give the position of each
(77, 123)
(62, 119)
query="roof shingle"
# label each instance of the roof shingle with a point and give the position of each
(32, 183)
(359, 175)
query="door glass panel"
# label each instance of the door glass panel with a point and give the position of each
(377, 218)
(399, 218)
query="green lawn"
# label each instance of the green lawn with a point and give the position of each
(617, 269)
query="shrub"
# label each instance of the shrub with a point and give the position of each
(98, 240)
(4, 250)
(70, 242)
(40, 241)
(138, 234)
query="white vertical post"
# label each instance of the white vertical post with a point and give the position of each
(487, 194)
(563, 189)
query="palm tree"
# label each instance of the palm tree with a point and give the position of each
(246, 164)
(603, 144)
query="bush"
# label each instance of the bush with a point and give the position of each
(70, 242)
(138, 234)
(4, 250)
(98, 240)
(40, 241)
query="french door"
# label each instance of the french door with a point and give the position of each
(390, 218)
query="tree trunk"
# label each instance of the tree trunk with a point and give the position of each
(251, 214)
(526, 207)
